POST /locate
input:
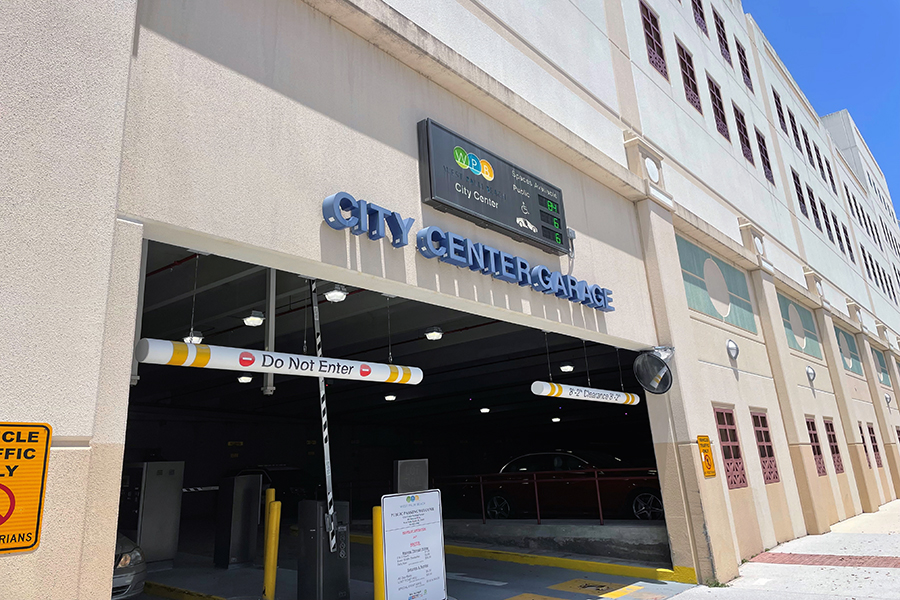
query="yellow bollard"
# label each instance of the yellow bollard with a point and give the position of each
(273, 523)
(378, 553)
(270, 498)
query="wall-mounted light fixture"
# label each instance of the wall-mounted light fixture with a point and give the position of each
(733, 349)
(810, 374)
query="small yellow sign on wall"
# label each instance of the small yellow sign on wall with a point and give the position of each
(706, 457)
(24, 450)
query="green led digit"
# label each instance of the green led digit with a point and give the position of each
(558, 238)
(556, 222)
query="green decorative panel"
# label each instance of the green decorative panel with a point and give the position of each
(715, 288)
(799, 327)
(881, 366)
(849, 351)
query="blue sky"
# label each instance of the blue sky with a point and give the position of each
(842, 54)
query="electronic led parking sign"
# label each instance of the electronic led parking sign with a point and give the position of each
(462, 178)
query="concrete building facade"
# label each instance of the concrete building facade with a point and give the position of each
(702, 185)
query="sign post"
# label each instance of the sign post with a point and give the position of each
(24, 450)
(706, 456)
(413, 540)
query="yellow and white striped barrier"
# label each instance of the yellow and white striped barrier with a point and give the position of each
(181, 354)
(574, 392)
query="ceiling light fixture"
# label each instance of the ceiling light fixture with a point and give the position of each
(390, 397)
(434, 333)
(555, 419)
(485, 411)
(194, 337)
(567, 368)
(255, 319)
(245, 378)
(337, 294)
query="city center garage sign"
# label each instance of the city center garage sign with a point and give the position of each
(462, 178)
(343, 211)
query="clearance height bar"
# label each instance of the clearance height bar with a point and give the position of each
(181, 354)
(561, 390)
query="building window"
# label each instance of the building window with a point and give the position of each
(720, 33)
(808, 148)
(812, 205)
(847, 241)
(819, 160)
(825, 218)
(699, 17)
(745, 68)
(764, 156)
(862, 437)
(715, 95)
(898, 434)
(816, 448)
(743, 134)
(862, 252)
(731, 449)
(799, 189)
(780, 110)
(653, 37)
(830, 177)
(833, 445)
(794, 129)
(874, 441)
(691, 91)
(837, 232)
(764, 445)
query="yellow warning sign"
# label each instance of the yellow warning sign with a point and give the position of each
(706, 456)
(24, 450)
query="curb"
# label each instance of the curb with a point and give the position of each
(676, 574)
(173, 593)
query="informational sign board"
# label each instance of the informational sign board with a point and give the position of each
(463, 178)
(413, 537)
(24, 450)
(706, 456)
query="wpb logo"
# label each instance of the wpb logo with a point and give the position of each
(468, 160)
(412, 498)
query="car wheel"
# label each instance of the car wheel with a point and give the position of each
(498, 507)
(647, 505)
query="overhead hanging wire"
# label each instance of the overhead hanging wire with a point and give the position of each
(390, 350)
(619, 363)
(547, 348)
(587, 368)
(194, 295)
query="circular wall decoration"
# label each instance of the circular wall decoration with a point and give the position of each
(716, 287)
(797, 325)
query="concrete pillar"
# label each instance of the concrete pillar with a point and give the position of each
(815, 514)
(700, 531)
(892, 448)
(846, 421)
(882, 421)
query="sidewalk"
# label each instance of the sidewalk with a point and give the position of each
(859, 559)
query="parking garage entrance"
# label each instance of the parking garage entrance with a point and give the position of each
(515, 469)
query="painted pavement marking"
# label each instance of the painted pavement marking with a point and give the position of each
(623, 592)
(827, 560)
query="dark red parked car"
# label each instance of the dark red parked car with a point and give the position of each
(566, 485)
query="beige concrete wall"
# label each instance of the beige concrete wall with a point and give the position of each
(66, 304)
(230, 148)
